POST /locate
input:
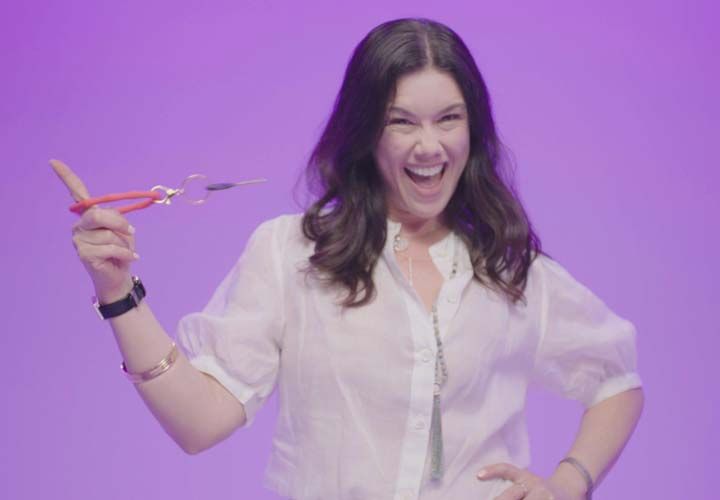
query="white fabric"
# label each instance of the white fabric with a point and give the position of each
(355, 386)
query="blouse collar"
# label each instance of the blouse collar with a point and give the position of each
(442, 252)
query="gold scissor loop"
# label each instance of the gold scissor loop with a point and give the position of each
(168, 192)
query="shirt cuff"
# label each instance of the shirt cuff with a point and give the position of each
(614, 386)
(243, 392)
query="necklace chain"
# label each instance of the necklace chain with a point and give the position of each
(437, 466)
(441, 372)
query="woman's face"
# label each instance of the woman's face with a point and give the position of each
(424, 146)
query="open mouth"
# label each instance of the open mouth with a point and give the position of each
(426, 177)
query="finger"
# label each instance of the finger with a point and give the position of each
(72, 182)
(96, 254)
(501, 470)
(514, 492)
(540, 494)
(107, 218)
(103, 237)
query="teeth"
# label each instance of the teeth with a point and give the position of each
(426, 171)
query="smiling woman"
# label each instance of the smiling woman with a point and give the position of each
(403, 315)
(412, 137)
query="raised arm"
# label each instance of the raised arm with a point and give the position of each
(192, 407)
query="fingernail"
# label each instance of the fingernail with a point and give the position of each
(131, 229)
(136, 255)
(481, 474)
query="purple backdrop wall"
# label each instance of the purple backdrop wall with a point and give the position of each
(610, 109)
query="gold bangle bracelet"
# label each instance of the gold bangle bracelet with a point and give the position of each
(163, 366)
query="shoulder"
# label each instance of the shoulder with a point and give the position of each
(280, 235)
(555, 277)
(547, 278)
(279, 225)
(542, 262)
(564, 295)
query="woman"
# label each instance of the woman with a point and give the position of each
(402, 316)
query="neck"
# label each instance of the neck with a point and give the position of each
(422, 231)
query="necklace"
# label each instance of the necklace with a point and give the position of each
(441, 373)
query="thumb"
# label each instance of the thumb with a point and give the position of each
(501, 470)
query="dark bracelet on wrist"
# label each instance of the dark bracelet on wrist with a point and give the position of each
(583, 472)
(131, 300)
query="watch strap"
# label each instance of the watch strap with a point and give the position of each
(131, 300)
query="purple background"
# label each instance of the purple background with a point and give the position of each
(611, 111)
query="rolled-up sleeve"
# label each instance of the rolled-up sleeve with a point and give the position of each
(586, 351)
(236, 338)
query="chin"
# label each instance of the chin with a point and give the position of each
(421, 212)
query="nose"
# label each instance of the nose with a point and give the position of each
(428, 145)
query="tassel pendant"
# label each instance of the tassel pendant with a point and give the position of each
(436, 441)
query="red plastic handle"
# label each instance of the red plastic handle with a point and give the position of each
(82, 205)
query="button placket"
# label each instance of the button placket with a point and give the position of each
(406, 494)
(415, 442)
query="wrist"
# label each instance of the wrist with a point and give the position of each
(131, 300)
(114, 294)
(569, 480)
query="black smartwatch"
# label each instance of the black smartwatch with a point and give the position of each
(132, 299)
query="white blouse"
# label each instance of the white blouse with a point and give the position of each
(355, 385)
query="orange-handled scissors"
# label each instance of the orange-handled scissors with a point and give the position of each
(161, 194)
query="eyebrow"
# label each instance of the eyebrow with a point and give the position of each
(444, 110)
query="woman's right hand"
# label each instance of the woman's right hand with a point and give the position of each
(104, 241)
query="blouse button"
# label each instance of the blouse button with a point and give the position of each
(426, 355)
(452, 298)
(419, 424)
(407, 495)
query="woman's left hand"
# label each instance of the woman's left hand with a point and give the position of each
(528, 486)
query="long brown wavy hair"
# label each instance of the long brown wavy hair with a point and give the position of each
(348, 220)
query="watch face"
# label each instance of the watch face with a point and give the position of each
(139, 288)
(96, 306)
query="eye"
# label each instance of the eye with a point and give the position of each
(398, 121)
(454, 116)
